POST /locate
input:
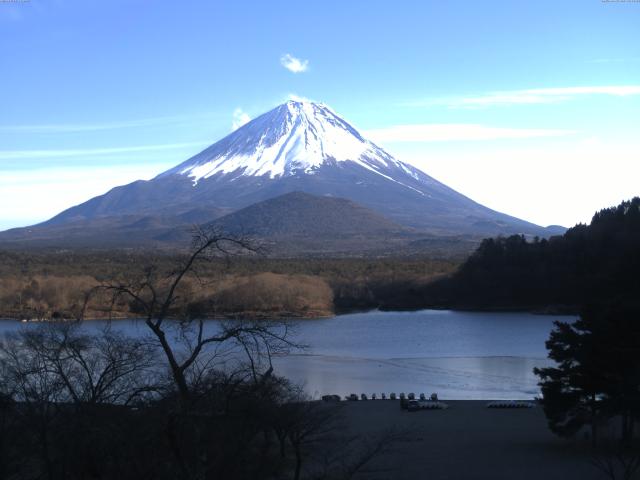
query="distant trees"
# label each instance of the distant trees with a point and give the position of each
(41, 296)
(301, 286)
(597, 377)
(276, 295)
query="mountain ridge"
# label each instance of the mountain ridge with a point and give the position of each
(295, 147)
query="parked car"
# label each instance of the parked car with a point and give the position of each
(414, 405)
(331, 398)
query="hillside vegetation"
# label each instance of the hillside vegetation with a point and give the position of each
(46, 285)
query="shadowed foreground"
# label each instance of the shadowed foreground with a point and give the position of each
(469, 441)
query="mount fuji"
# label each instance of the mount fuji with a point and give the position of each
(296, 147)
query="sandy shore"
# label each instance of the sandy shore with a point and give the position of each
(468, 441)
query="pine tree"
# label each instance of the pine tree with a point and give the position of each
(597, 376)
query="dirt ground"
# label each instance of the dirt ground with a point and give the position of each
(468, 441)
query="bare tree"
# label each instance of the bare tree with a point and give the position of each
(623, 463)
(64, 381)
(158, 297)
(615, 458)
(321, 446)
(107, 368)
(29, 380)
(7, 422)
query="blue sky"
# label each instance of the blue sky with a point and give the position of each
(530, 107)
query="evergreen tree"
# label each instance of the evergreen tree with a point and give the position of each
(597, 376)
(589, 263)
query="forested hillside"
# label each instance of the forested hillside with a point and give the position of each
(589, 263)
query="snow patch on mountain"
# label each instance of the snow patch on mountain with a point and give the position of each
(295, 138)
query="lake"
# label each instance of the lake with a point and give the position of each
(459, 355)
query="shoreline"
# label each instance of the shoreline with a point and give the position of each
(546, 311)
(235, 316)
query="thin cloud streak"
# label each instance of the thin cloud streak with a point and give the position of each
(615, 60)
(527, 97)
(457, 132)
(19, 154)
(93, 127)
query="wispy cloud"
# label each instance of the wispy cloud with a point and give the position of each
(91, 127)
(527, 97)
(299, 98)
(615, 60)
(54, 153)
(450, 132)
(293, 64)
(240, 117)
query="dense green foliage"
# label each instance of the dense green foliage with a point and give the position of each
(587, 263)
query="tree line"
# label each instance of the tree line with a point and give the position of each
(589, 263)
(48, 285)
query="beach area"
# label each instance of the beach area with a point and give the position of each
(467, 441)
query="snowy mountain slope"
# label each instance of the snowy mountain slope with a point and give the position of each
(294, 138)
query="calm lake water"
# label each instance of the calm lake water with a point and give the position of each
(459, 355)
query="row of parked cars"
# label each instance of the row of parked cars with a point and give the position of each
(392, 396)
(411, 403)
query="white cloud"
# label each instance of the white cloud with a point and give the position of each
(239, 118)
(529, 96)
(299, 98)
(294, 64)
(448, 132)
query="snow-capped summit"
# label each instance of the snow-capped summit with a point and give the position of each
(294, 138)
